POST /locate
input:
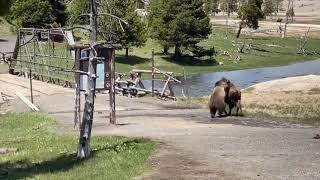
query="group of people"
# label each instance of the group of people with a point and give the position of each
(225, 94)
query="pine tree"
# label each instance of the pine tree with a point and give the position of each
(135, 33)
(4, 7)
(176, 23)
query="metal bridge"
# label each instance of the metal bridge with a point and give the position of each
(45, 54)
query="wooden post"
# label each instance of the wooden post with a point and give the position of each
(112, 92)
(77, 114)
(49, 57)
(31, 90)
(186, 83)
(84, 150)
(165, 86)
(152, 59)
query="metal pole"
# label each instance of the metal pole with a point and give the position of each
(152, 60)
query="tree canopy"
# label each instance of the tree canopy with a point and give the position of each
(127, 36)
(269, 7)
(37, 13)
(250, 12)
(4, 7)
(176, 23)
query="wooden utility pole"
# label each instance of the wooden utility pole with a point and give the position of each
(86, 125)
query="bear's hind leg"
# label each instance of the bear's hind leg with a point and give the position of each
(213, 111)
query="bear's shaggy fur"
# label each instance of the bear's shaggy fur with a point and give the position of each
(233, 94)
(217, 101)
(234, 99)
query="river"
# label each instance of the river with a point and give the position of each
(202, 84)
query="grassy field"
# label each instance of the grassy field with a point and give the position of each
(44, 155)
(276, 52)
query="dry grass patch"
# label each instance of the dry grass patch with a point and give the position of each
(293, 105)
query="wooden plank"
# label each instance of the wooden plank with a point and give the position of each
(165, 86)
(150, 72)
(168, 75)
(27, 102)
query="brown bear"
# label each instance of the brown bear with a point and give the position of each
(233, 94)
(217, 101)
(234, 99)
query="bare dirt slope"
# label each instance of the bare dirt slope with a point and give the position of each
(299, 83)
(193, 146)
(305, 7)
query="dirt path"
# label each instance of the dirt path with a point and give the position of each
(191, 145)
(269, 28)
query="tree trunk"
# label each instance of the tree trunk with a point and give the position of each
(239, 30)
(165, 50)
(84, 151)
(177, 52)
(127, 52)
(287, 18)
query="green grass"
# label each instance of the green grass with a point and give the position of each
(278, 52)
(5, 28)
(44, 155)
(3, 68)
